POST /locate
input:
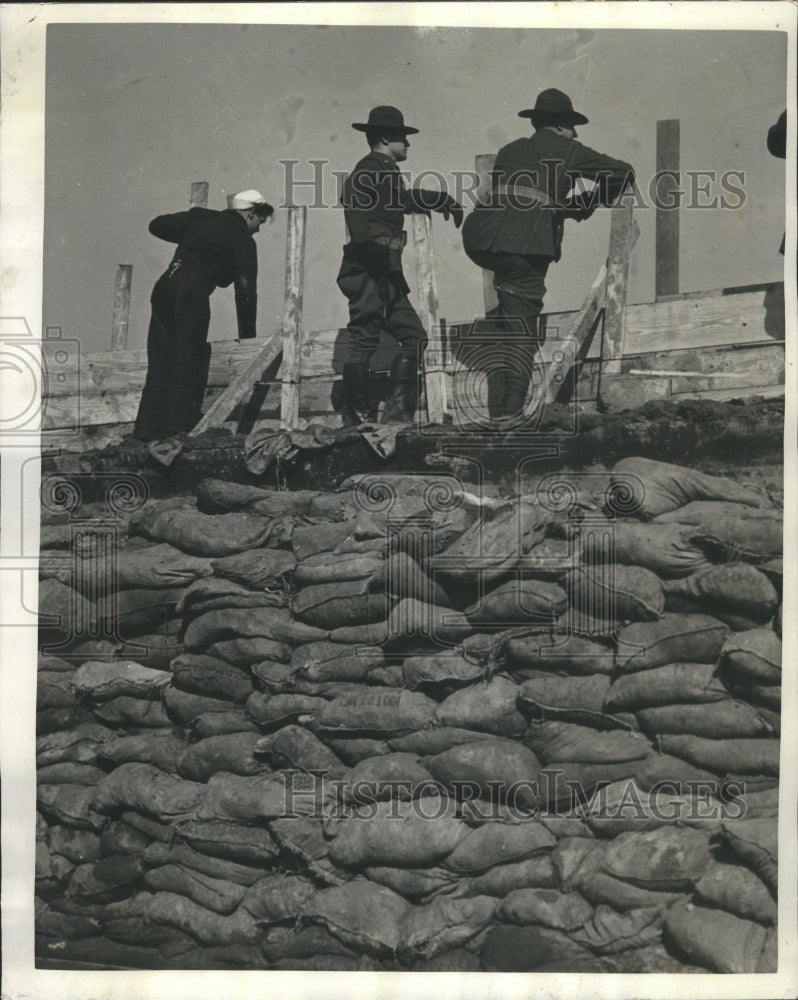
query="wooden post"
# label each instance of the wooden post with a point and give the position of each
(484, 164)
(292, 315)
(667, 238)
(199, 194)
(230, 200)
(617, 275)
(124, 279)
(429, 313)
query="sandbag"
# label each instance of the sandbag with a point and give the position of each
(518, 602)
(183, 706)
(400, 576)
(415, 885)
(309, 541)
(439, 739)
(236, 624)
(717, 720)
(393, 775)
(206, 926)
(674, 638)
(730, 756)
(353, 749)
(753, 656)
(497, 843)
(557, 653)
(69, 773)
(662, 487)
(562, 910)
(616, 592)
(210, 677)
(663, 549)
(101, 681)
(736, 593)
(64, 611)
(215, 593)
(276, 898)
(152, 566)
(202, 534)
(219, 723)
(211, 893)
(331, 605)
(244, 653)
(537, 872)
(542, 691)
(105, 880)
(712, 512)
(755, 842)
(54, 690)
(672, 773)
(151, 650)
(53, 720)
(399, 834)
(135, 713)
(565, 741)
(365, 916)
(374, 634)
(250, 800)
(443, 924)
(426, 624)
(233, 753)
(258, 569)
(489, 707)
(221, 868)
(737, 890)
(78, 846)
(303, 838)
(719, 941)
(121, 838)
(526, 949)
(442, 672)
(672, 684)
(624, 806)
(669, 858)
(500, 770)
(608, 932)
(752, 539)
(271, 711)
(346, 568)
(331, 661)
(145, 789)
(295, 747)
(576, 858)
(231, 841)
(387, 712)
(599, 888)
(141, 611)
(218, 496)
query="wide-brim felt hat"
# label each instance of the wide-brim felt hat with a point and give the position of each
(386, 117)
(553, 107)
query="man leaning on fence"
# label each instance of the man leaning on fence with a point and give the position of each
(214, 249)
(375, 201)
(516, 231)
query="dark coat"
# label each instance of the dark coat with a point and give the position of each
(550, 163)
(217, 242)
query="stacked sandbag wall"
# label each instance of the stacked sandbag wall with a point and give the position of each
(404, 726)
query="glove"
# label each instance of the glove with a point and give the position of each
(455, 209)
(581, 206)
(437, 201)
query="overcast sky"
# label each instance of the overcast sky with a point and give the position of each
(135, 113)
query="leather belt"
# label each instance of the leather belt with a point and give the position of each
(392, 242)
(520, 190)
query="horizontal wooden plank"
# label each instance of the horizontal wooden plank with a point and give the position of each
(726, 393)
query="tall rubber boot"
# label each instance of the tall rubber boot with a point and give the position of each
(356, 397)
(496, 393)
(402, 401)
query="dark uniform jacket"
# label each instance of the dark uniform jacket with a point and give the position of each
(540, 170)
(221, 246)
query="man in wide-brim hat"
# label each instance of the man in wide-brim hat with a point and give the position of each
(517, 231)
(375, 201)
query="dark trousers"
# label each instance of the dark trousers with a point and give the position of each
(376, 305)
(519, 280)
(178, 354)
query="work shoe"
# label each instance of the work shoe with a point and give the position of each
(402, 400)
(356, 410)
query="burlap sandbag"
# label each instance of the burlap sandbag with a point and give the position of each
(443, 924)
(719, 720)
(616, 592)
(660, 487)
(675, 638)
(268, 569)
(329, 661)
(550, 907)
(441, 738)
(365, 916)
(77, 846)
(558, 691)
(675, 683)
(388, 776)
(216, 593)
(209, 928)
(752, 539)
(386, 712)
(668, 858)
(661, 770)
(133, 713)
(71, 805)
(320, 569)
(219, 723)
(295, 747)
(233, 753)
(600, 888)
(558, 653)
(565, 741)
(148, 566)
(499, 770)
(216, 867)
(526, 949)
(271, 711)
(64, 611)
(211, 893)
(148, 790)
(730, 756)
(69, 773)
(203, 534)
(415, 884)
(518, 602)
(249, 845)
(753, 656)
(219, 496)
(497, 843)
(737, 890)
(755, 842)
(714, 939)
(537, 872)
(244, 653)
(398, 834)
(332, 605)
(183, 706)
(608, 932)
(426, 625)
(101, 681)
(736, 593)
(210, 677)
(664, 549)
(275, 624)
(489, 707)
